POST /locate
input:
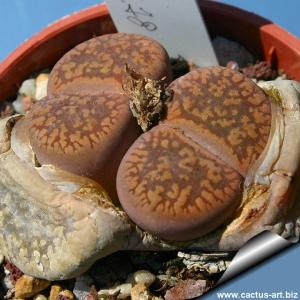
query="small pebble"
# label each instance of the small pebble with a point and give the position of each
(213, 269)
(27, 286)
(54, 291)
(187, 289)
(27, 88)
(125, 290)
(65, 295)
(106, 294)
(40, 297)
(288, 230)
(18, 105)
(233, 65)
(144, 276)
(41, 86)
(122, 291)
(141, 292)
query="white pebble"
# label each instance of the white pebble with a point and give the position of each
(41, 86)
(213, 269)
(40, 297)
(104, 292)
(123, 291)
(27, 88)
(144, 276)
(18, 105)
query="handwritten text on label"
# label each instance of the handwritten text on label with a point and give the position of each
(176, 24)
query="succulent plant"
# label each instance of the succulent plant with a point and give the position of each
(217, 170)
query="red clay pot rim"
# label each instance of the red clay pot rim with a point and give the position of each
(99, 10)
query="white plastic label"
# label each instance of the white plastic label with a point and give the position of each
(177, 24)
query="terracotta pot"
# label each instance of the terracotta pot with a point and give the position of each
(263, 38)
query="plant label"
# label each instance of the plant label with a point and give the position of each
(178, 25)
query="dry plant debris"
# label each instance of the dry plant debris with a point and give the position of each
(147, 98)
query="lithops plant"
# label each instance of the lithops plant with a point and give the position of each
(85, 125)
(58, 163)
(184, 177)
(225, 155)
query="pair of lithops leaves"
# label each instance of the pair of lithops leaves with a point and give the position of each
(79, 181)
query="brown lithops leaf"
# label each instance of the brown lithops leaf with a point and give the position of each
(224, 111)
(87, 135)
(173, 187)
(99, 63)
